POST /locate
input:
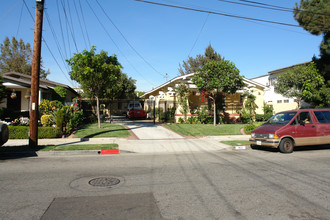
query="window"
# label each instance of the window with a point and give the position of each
(323, 116)
(305, 117)
(279, 101)
(286, 101)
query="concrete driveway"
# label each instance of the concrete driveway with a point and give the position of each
(146, 130)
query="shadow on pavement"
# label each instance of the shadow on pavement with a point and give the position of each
(18, 152)
(300, 148)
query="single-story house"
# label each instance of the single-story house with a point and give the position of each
(164, 96)
(18, 86)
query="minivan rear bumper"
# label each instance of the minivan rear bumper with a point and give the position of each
(265, 142)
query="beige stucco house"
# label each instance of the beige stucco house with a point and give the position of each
(164, 96)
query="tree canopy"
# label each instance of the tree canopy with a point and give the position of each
(303, 82)
(218, 77)
(193, 64)
(123, 89)
(314, 17)
(16, 56)
(95, 73)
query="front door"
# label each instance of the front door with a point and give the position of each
(14, 103)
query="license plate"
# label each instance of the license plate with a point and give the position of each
(258, 142)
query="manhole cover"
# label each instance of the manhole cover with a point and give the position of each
(104, 181)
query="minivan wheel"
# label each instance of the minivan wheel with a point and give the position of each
(254, 147)
(286, 146)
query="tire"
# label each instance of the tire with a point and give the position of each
(254, 147)
(286, 146)
(4, 135)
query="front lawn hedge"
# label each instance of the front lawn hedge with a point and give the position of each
(22, 132)
(250, 127)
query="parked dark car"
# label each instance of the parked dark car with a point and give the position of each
(288, 129)
(4, 133)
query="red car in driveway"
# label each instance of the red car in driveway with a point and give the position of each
(135, 110)
(288, 129)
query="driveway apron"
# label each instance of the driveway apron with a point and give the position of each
(150, 131)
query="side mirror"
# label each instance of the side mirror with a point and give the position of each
(301, 122)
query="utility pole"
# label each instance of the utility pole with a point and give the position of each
(35, 75)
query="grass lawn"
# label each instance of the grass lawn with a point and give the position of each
(106, 130)
(236, 143)
(206, 130)
(59, 148)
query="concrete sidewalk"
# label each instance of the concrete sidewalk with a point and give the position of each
(210, 143)
(147, 138)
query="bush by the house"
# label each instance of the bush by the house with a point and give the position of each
(250, 127)
(66, 118)
(22, 132)
(46, 120)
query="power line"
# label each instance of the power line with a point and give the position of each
(258, 6)
(56, 60)
(72, 27)
(82, 31)
(89, 43)
(68, 26)
(199, 34)
(116, 44)
(128, 41)
(9, 11)
(19, 21)
(271, 7)
(223, 14)
(60, 22)
(55, 39)
(47, 44)
(260, 3)
(27, 8)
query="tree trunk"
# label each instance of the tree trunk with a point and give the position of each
(214, 111)
(98, 111)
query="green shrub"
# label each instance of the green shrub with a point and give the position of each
(45, 106)
(56, 104)
(76, 119)
(193, 120)
(260, 117)
(46, 120)
(267, 116)
(49, 132)
(250, 127)
(22, 132)
(60, 119)
(209, 120)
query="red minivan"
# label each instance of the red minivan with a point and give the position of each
(288, 129)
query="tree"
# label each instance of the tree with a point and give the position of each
(302, 83)
(16, 56)
(193, 64)
(95, 73)
(216, 77)
(124, 88)
(314, 17)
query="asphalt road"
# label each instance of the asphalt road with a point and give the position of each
(226, 184)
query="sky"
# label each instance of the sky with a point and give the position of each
(151, 40)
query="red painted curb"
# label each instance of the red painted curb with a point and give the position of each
(110, 151)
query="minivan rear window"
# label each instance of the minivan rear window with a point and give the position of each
(322, 116)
